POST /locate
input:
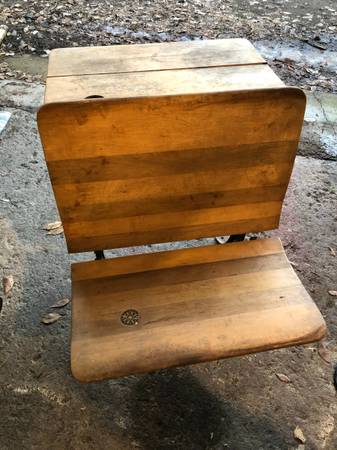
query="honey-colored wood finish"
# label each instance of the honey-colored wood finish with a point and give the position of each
(164, 82)
(135, 171)
(152, 57)
(187, 140)
(195, 305)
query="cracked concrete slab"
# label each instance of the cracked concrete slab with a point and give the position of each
(19, 94)
(319, 137)
(237, 403)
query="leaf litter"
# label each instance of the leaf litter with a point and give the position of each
(332, 251)
(324, 352)
(284, 378)
(50, 318)
(61, 303)
(52, 225)
(37, 26)
(53, 228)
(298, 434)
(8, 283)
(333, 293)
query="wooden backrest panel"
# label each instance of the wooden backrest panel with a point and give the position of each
(135, 171)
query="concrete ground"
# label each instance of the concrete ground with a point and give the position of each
(236, 404)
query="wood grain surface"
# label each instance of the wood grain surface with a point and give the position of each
(195, 305)
(162, 82)
(152, 57)
(136, 171)
(187, 140)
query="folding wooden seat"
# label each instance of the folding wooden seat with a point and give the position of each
(167, 142)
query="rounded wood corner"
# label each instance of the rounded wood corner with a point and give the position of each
(321, 331)
(77, 370)
(42, 111)
(298, 94)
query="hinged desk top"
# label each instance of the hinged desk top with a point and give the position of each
(124, 71)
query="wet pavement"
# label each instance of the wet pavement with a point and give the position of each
(319, 136)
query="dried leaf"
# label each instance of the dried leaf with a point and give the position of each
(320, 45)
(333, 293)
(8, 283)
(52, 225)
(283, 377)
(61, 303)
(324, 353)
(298, 434)
(56, 231)
(50, 318)
(332, 251)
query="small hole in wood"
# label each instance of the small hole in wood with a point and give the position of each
(94, 96)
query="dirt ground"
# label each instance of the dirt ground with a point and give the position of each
(299, 39)
(236, 404)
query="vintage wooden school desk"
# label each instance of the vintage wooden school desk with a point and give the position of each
(166, 142)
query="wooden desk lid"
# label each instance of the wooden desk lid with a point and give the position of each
(146, 57)
(124, 71)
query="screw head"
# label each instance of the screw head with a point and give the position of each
(130, 317)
